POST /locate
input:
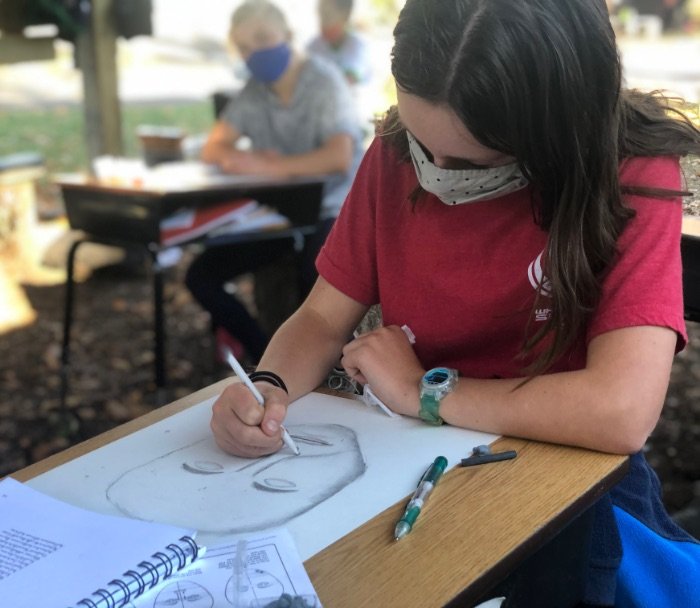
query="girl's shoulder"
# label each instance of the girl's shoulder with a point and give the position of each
(384, 165)
(384, 148)
(651, 172)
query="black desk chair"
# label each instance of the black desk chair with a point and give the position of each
(219, 100)
(690, 253)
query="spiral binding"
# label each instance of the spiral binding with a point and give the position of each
(148, 573)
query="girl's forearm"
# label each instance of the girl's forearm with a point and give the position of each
(302, 352)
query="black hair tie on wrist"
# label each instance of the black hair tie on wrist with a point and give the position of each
(270, 377)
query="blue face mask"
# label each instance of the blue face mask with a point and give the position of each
(267, 65)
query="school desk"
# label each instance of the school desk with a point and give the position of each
(491, 523)
(130, 216)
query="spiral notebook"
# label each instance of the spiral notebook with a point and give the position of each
(55, 555)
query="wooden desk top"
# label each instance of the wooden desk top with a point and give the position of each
(481, 522)
(129, 212)
(158, 188)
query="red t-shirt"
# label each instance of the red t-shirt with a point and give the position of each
(464, 277)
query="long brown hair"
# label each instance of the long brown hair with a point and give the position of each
(540, 80)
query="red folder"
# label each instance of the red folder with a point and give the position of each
(189, 224)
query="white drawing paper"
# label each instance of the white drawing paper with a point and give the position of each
(355, 462)
(288, 485)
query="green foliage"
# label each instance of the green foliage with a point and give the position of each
(54, 132)
(57, 132)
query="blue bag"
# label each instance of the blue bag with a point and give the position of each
(660, 565)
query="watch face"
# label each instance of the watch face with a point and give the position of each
(436, 378)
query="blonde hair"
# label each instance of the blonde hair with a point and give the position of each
(258, 8)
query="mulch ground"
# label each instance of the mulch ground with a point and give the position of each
(111, 375)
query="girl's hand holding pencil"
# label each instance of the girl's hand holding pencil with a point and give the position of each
(248, 421)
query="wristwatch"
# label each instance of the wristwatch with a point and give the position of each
(434, 386)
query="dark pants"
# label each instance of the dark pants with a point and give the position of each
(218, 265)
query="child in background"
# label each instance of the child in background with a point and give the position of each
(299, 115)
(339, 43)
(521, 213)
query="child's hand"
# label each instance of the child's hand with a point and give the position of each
(244, 428)
(384, 359)
(251, 163)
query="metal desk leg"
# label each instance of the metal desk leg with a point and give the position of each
(67, 322)
(158, 327)
(158, 322)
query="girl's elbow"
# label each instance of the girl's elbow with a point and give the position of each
(628, 445)
(620, 440)
(635, 422)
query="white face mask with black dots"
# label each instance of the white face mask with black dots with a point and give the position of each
(456, 187)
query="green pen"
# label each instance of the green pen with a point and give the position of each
(420, 496)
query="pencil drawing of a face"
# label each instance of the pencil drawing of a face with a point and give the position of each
(201, 487)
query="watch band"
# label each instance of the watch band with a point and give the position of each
(430, 408)
(435, 385)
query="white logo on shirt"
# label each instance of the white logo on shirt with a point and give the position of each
(537, 278)
(542, 314)
(540, 283)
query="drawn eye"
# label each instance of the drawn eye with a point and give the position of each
(276, 484)
(203, 467)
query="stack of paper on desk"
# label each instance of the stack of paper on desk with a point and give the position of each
(55, 555)
(240, 215)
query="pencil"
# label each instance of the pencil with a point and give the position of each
(243, 377)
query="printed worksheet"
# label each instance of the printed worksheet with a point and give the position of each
(252, 572)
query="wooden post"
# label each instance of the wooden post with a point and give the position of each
(96, 50)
